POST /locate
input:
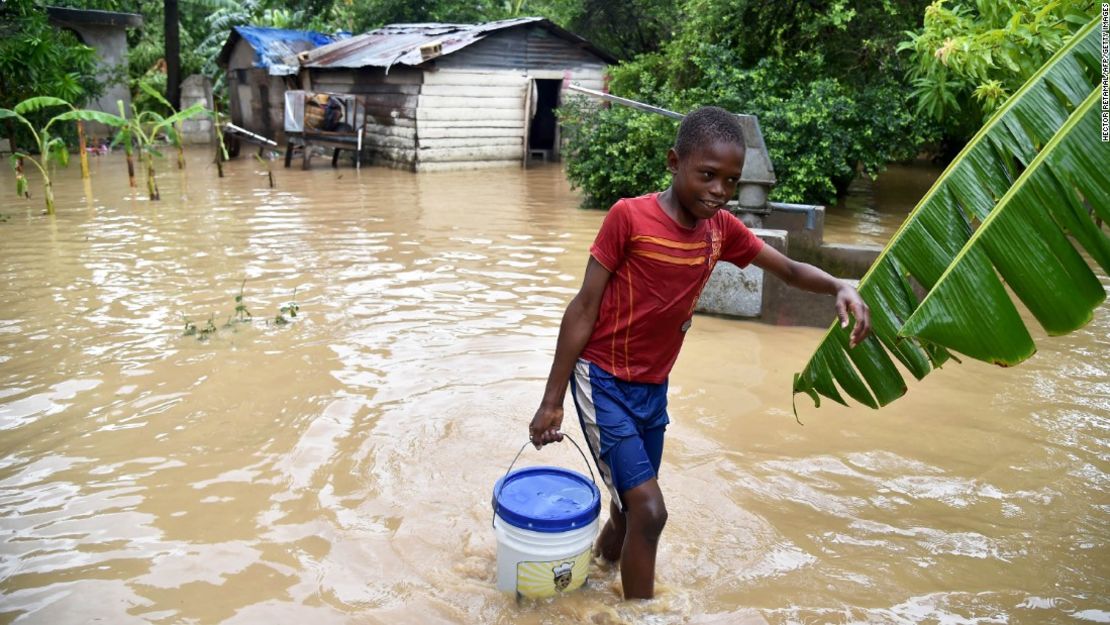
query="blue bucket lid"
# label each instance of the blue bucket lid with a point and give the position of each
(546, 499)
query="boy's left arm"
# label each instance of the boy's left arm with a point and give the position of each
(810, 278)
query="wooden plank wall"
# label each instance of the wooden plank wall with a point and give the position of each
(467, 111)
(471, 108)
(470, 119)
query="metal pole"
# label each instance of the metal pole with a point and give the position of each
(243, 131)
(625, 101)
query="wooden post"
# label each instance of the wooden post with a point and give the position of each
(81, 145)
(172, 30)
(527, 119)
(219, 144)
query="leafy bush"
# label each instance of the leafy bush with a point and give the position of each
(615, 152)
(819, 132)
(970, 56)
(37, 59)
(823, 81)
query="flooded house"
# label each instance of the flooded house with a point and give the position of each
(455, 96)
(255, 61)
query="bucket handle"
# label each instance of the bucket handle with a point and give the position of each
(497, 495)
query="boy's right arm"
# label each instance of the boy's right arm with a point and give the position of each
(574, 333)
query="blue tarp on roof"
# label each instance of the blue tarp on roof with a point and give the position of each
(272, 45)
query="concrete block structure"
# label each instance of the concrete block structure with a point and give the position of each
(197, 89)
(797, 231)
(105, 32)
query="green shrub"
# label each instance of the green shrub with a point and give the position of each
(969, 57)
(823, 79)
(819, 132)
(615, 152)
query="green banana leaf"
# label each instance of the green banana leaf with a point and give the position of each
(30, 105)
(84, 115)
(1025, 240)
(954, 210)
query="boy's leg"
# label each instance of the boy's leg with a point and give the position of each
(610, 541)
(624, 424)
(645, 515)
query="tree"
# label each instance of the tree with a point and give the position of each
(624, 29)
(173, 54)
(1009, 205)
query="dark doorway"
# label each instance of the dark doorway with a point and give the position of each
(543, 132)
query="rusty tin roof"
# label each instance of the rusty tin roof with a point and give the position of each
(400, 44)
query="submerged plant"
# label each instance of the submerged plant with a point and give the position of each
(202, 334)
(240, 315)
(267, 160)
(51, 149)
(287, 311)
(124, 137)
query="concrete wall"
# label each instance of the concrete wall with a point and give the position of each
(747, 293)
(199, 129)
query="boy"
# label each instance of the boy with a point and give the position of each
(621, 334)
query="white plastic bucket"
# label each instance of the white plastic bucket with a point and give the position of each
(545, 520)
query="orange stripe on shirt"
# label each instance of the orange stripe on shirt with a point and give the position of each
(628, 328)
(616, 326)
(667, 258)
(674, 245)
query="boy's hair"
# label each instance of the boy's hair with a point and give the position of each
(706, 125)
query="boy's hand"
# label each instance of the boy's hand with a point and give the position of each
(545, 425)
(848, 299)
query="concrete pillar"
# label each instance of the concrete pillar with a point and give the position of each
(198, 129)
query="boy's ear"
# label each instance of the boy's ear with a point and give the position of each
(672, 161)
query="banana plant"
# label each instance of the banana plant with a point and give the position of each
(175, 136)
(1030, 186)
(124, 137)
(143, 129)
(51, 149)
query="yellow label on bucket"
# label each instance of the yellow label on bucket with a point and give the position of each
(537, 580)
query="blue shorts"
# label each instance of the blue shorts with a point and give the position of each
(623, 423)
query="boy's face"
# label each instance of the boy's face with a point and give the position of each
(706, 178)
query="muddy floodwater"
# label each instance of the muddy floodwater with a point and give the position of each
(338, 469)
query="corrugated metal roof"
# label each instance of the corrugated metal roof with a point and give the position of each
(399, 44)
(272, 46)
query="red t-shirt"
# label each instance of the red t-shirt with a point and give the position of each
(659, 269)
